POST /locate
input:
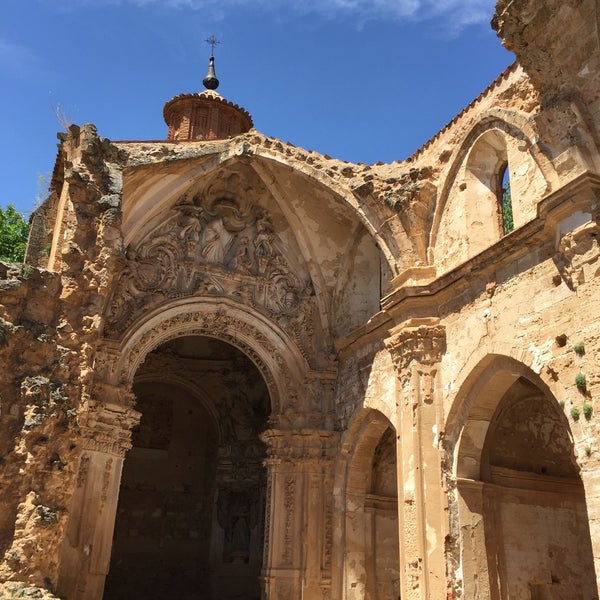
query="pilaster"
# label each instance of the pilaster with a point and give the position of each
(416, 351)
(298, 532)
(85, 556)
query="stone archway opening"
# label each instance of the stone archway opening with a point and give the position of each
(381, 506)
(190, 517)
(372, 565)
(524, 509)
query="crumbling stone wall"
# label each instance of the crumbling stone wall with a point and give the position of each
(49, 326)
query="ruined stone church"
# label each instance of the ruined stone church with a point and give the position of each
(234, 369)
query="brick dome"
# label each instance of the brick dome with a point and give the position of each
(204, 116)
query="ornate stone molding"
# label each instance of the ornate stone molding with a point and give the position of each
(224, 327)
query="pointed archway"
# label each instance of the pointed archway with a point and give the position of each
(190, 517)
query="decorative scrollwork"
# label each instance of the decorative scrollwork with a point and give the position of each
(218, 250)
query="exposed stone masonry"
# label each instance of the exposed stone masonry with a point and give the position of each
(282, 376)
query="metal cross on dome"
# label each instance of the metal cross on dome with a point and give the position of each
(210, 81)
(212, 41)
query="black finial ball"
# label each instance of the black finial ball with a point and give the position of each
(210, 81)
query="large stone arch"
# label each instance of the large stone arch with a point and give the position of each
(513, 458)
(363, 514)
(110, 416)
(276, 357)
(493, 369)
(191, 507)
(158, 191)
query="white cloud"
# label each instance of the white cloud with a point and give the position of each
(15, 58)
(455, 14)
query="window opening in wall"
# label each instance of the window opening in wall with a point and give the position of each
(506, 201)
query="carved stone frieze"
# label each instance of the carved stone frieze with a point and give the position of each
(217, 250)
(288, 533)
(267, 530)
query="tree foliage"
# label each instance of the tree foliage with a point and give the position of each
(14, 230)
(507, 214)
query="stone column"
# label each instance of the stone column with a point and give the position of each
(298, 524)
(85, 554)
(416, 351)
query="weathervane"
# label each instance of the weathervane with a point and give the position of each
(210, 81)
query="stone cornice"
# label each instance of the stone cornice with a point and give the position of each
(460, 285)
(428, 300)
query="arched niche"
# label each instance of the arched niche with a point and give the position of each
(522, 524)
(469, 216)
(367, 563)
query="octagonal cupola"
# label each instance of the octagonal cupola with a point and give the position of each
(206, 115)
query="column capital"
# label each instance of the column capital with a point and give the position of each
(106, 427)
(424, 344)
(300, 445)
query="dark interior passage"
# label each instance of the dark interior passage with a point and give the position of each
(191, 506)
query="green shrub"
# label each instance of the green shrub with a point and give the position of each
(14, 230)
(580, 381)
(575, 413)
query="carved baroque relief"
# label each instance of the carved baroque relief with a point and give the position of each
(217, 250)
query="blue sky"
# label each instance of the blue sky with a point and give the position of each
(359, 80)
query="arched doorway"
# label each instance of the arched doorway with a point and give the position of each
(372, 565)
(190, 517)
(523, 517)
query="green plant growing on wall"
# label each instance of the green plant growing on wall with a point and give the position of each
(588, 451)
(561, 403)
(27, 271)
(575, 413)
(580, 381)
(579, 348)
(587, 411)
